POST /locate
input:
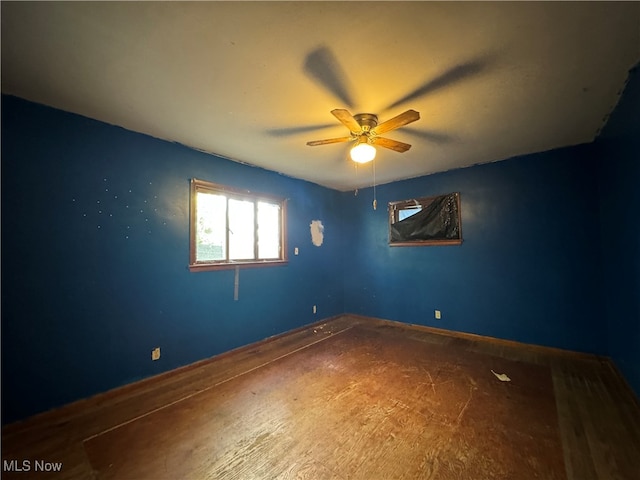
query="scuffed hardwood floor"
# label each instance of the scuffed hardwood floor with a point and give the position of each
(598, 416)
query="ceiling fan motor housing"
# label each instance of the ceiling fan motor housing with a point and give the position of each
(367, 121)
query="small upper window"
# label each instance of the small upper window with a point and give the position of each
(230, 227)
(425, 221)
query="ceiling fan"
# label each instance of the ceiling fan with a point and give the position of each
(365, 130)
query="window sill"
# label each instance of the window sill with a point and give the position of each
(425, 243)
(205, 267)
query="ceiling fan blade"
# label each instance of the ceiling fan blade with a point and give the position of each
(398, 121)
(286, 131)
(453, 75)
(323, 67)
(391, 144)
(347, 120)
(328, 141)
(430, 135)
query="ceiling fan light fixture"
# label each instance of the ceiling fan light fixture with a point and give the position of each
(365, 131)
(363, 152)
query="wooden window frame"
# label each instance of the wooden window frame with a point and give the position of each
(196, 186)
(395, 207)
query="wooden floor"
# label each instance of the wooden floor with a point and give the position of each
(598, 418)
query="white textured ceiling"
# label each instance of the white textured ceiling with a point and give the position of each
(254, 81)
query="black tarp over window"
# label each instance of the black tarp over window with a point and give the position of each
(437, 220)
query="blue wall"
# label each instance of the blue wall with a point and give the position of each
(619, 173)
(527, 270)
(94, 259)
(95, 253)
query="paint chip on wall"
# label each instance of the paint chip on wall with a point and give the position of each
(317, 232)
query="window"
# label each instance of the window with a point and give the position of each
(230, 227)
(425, 221)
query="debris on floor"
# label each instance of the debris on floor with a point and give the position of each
(501, 376)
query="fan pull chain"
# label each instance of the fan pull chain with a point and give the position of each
(355, 193)
(375, 201)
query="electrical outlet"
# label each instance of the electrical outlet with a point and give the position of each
(295, 251)
(438, 315)
(314, 309)
(155, 353)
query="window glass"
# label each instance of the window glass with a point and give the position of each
(241, 230)
(268, 230)
(211, 224)
(408, 212)
(231, 227)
